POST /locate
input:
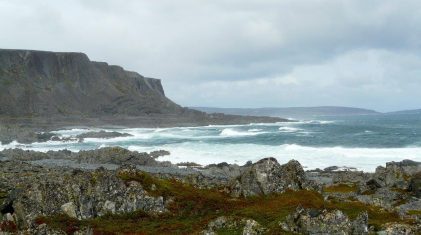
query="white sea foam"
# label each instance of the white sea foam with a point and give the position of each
(366, 159)
(288, 129)
(229, 132)
(73, 132)
(315, 122)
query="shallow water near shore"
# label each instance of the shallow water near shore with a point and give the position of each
(363, 142)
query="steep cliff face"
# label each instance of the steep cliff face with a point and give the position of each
(38, 83)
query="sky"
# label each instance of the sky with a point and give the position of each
(240, 53)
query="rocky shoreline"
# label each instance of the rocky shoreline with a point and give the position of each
(114, 190)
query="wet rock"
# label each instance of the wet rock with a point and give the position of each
(268, 176)
(102, 135)
(159, 153)
(115, 155)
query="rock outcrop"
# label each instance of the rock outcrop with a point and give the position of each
(268, 176)
(312, 221)
(75, 193)
(397, 174)
(234, 226)
(57, 200)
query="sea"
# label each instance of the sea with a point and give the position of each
(362, 142)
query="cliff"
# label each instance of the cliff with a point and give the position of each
(40, 85)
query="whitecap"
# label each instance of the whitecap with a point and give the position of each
(288, 129)
(229, 132)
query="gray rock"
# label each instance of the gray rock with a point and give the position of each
(397, 174)
(247, 226)
(159, 153)
(115, 155)
(268, 176)
(102, 135)
(303, 221)
(76, 193)
(415, 185)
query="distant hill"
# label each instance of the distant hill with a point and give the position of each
(61, 85)
(291, 112)
(412, 111)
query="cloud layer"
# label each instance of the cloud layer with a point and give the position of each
(247, 53)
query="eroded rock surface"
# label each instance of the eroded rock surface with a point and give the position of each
(268, 176)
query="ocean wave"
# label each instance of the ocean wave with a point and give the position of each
(311, 157)
(314, 122)
(366, 159)
(229, 132)
(73, 132)
(288, 129)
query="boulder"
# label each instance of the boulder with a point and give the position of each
(268, 176)
(397, 174)
(102, 135)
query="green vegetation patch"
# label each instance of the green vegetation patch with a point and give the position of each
(414, 212)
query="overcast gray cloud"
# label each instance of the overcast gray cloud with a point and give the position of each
(240, 53)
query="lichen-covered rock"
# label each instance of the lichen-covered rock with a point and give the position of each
(252, 228)
(397, 174)
(312, 221)
(78, 194)
(268, 176)
(246, 226)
